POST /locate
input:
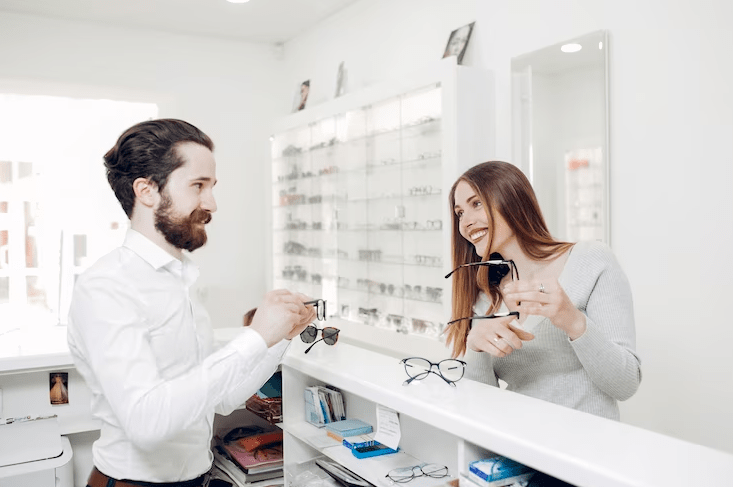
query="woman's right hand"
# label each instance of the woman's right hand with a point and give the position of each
(494, 336)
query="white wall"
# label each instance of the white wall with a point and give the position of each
(671, 160)
(225, 88)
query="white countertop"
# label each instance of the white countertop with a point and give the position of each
(33, 348)
(46, 348)
(580, 447)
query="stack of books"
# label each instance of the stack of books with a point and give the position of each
(323, 405)
(251, 456)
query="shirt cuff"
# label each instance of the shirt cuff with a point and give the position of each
(249, 343)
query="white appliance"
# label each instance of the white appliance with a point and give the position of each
(34, 454)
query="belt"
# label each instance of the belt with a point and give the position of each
(98, 479)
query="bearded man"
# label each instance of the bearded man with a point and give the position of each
(141, 342)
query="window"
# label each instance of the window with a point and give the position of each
(57, 212)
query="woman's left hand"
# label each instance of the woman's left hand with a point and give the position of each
(548, 300)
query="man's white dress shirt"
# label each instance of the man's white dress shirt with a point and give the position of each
(144, 348)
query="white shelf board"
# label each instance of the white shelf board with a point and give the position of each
(373, 469)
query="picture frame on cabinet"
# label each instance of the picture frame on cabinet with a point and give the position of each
(59, 388)
(458, 42)
(301, 95)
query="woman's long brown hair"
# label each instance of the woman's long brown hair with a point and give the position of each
(502, 188)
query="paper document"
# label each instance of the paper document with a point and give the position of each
(388, 427)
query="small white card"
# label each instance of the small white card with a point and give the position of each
(388, 427)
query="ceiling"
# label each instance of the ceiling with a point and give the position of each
(261, 21)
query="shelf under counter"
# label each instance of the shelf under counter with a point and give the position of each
(573, 446)
(373, 469)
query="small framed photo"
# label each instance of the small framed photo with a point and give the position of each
(301, 95)
(59, 387)
(458, 41)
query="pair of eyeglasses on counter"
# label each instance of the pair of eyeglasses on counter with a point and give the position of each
(418, 368)
(329, 334)
(405, 474)
(512, 268)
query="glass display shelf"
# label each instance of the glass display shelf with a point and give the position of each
(358, 196)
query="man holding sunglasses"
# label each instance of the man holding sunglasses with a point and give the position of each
(139, 339)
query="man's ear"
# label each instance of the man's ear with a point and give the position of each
(146, 191)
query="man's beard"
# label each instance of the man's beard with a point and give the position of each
(182, 233)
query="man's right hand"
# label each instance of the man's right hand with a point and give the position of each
(278, 315)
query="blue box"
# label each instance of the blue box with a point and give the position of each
(349, 427)
(497, 468)
(352, 442)
(373, 450)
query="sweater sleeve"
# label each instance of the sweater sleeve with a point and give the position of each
(607, 348)
(480, 367)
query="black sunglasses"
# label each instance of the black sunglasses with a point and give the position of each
(487, 317)
(329, 335)
(510, 263)
(320, 306)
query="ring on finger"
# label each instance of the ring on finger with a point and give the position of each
(542, 288)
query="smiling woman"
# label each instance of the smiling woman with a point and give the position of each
(565, 331)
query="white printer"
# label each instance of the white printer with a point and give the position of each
(34, 454)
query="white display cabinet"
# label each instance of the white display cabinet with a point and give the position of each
(454, 426)
(360, 198)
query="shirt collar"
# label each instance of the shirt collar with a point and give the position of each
(158, 258)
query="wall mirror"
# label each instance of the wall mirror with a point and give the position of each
(560, 133)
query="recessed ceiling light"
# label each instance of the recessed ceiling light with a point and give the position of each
(237, 1)
(571, 48)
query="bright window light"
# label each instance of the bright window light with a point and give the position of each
(600, 45)
(571, 48)
(57, 212)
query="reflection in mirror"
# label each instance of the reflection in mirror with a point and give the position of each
(560, 133)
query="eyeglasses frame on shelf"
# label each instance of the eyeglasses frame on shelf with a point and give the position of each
(430, 370)
(433, 475)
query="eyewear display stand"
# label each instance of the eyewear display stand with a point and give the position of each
(454, 426)
(359, 188)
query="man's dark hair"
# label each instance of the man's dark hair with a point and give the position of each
(148, 150)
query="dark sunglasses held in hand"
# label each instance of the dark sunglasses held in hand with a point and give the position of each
(320, 307)
(417, 368)
(330, 335)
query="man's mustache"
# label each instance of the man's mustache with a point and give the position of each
(200, 216)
